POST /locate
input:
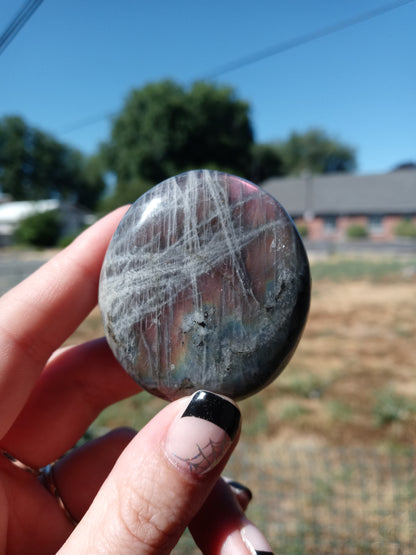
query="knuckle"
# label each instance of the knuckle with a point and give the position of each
(154, 527)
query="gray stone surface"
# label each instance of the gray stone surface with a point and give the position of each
(205, 284)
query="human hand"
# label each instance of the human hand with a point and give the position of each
(130, 493)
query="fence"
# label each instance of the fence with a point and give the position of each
(329, 500)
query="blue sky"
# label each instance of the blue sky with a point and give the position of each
(76, 61)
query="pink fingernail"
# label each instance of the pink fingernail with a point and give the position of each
(254, 540)
(248, 539)
(199, 439)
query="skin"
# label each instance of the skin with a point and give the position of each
(126, 493)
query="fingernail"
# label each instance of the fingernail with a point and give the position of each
(248, 540)
(254, 540)
(239, 488)
(199, 439)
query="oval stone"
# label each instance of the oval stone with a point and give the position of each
(205, 285)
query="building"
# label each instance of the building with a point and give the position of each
(328, 205)
(12, 213)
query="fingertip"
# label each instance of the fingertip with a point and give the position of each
(204, 432)
(242, 493)
(222, 527)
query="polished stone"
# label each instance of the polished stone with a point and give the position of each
(205, 285)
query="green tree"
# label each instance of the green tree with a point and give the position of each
(220, 134)
(34, 165)
(165, 129)
(13, 157)
(317, 153)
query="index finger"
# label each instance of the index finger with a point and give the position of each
(42, 311)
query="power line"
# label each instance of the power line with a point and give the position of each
(304, 39)
(86, 122)
(24, 14)
(274, 50)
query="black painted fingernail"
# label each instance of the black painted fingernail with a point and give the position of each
(199, 439)
(215, 409)
(237, 487)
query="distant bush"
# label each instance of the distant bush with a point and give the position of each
(357, 231)
(39, 230)
(405, 228)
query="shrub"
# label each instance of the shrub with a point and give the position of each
(39, 230)
(405, 228)
(357, 231)
(391, 407)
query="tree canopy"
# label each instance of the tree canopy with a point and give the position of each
(316, 152)
(165, 129)
(34, 165)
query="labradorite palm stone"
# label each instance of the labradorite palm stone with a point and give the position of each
(205, 285)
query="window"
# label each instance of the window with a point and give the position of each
(330, 224)
(375, 223)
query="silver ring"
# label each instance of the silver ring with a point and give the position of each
(19, 464)
(47, 478)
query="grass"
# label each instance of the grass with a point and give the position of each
(391, 407)
(292, 410)
(308, 386)
(340, 411)
(254, 416)
(328, 500)
(375, 269)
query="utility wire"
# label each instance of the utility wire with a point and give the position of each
(304, 39)
(24, 14)
(273, 51)
(86, 122)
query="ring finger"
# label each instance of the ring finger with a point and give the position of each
(79, 475)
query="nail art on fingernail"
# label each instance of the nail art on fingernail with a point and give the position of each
(199, 439)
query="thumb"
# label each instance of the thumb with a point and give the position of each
(160, 480)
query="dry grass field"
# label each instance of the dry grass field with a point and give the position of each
(328, 448)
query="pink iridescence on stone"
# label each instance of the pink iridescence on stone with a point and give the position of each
(205, 285)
